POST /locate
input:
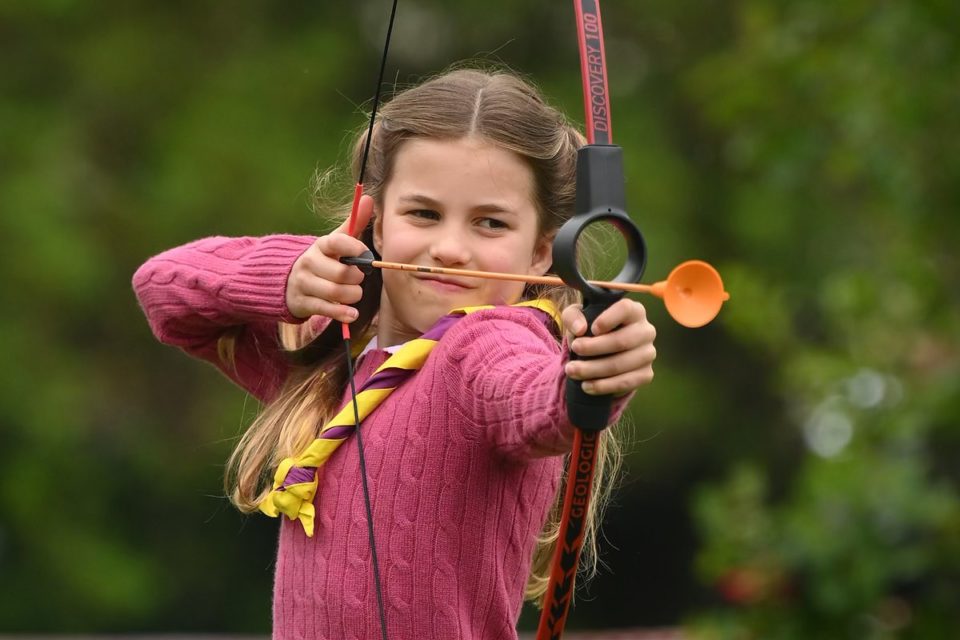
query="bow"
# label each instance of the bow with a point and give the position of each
(600, 197)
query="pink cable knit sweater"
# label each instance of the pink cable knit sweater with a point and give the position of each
(463, 460)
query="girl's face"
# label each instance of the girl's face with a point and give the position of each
(463, 204)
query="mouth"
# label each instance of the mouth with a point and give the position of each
(445, 283)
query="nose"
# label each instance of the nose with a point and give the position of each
(449, 249)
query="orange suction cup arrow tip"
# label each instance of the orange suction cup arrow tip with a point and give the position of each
(693, 293)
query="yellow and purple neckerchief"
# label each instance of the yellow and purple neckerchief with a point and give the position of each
(295, 482)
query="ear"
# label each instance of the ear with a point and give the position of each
(378, 231)
(542, 258)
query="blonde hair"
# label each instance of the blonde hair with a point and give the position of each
(506, 111)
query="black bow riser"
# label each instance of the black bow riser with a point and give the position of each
(600, 198)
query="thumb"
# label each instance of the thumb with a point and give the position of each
(574, 320)
(363, 213)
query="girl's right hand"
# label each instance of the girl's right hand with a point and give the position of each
(319, 284)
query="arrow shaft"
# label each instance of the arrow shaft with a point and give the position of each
(515, 277)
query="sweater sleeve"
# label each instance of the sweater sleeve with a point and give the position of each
(194, 294)
(506, 381)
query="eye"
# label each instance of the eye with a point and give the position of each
(424, 214)
(493, 223)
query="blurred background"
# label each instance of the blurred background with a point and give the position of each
(794, 469)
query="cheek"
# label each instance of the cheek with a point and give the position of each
(404, 291)
(515, 258)
(402, 240)
(395, 244)
(395, 284)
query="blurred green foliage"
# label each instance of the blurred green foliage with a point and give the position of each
(793, 471)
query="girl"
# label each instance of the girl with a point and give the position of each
(469, 170)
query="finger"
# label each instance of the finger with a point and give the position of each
(338, 245)
(573, 320)
(304, 305)
(621, 312)
(614, 365)
(363, 215)
(315, 265)
(323, 260)
(621, 384)
(627, 337)
(331, 291)
(318, 307)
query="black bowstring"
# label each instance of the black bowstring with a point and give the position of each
(376, 95)
(346, 343)
(366, 496)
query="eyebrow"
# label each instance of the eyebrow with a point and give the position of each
(418, 198)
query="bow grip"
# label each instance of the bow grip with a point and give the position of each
(588, 412)
(600, 198)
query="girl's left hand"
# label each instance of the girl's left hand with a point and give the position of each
(622, 347)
